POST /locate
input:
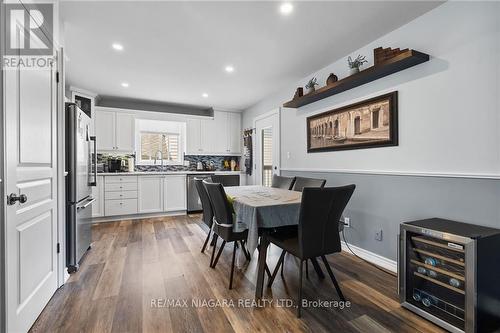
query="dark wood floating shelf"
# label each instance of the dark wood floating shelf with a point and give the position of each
(396, 64)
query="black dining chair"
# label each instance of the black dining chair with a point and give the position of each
(285, 183)
(301, 182)
(208, 213)
(317, 232)
(223, 225)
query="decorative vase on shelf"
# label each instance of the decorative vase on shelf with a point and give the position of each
(310, 90)
(332, 78)
(353, 70)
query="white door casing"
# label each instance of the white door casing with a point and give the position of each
(268, 120)
(31, 169)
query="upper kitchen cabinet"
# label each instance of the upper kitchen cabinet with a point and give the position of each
(193, 136)
(125, 131)
(114, 131)
(105, 130)
(218, 136)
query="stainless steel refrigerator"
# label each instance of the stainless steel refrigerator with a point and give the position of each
(81, 161)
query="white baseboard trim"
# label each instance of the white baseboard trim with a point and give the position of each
(135, 216)
(399, 173)
(390, 265)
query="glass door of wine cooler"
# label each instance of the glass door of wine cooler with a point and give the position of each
(436, 278)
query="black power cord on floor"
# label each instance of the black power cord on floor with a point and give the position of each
(354, 254)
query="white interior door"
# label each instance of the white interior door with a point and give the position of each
(31, 170)
(267, 148)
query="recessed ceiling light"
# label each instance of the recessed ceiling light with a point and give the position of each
(286, 8)
(118, 47)
(124, 84)
(204, 95)
(229, 69)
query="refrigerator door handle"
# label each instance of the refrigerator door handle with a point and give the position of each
(88, 203)
(94, 162)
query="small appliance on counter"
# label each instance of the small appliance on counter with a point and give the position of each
(130, 164)
(114, 165)
(449, 273)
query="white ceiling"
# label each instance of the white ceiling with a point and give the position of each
(175, 51)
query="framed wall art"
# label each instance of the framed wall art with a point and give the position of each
(367, 124)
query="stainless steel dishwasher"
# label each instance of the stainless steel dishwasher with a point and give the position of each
(193, 200)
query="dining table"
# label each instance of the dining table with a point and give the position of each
(261, 210)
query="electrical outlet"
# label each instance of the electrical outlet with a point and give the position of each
(378, 235)
(347, 222)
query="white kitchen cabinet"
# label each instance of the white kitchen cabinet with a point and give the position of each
(220, 132)
(234, 131)
(114, 131)
(193, 138)
(105, 130)
(174, 189)
(150, 194)
(120, 195)
(98, 194)
(218, 136)
(124, 130)
(208, 136)
(120, 207)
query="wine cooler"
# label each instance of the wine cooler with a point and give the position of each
(449, 273)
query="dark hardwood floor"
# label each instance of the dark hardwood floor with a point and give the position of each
(133, 264)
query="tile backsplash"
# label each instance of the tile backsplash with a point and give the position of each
(216, 161)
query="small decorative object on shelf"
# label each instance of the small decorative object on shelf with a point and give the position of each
(298, 93)
(356, 63)
(311, 85)
(381, 55)
(332, 78)
(403, 60)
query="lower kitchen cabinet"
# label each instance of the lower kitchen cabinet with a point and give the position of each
(150, 194)
(120, 195)
(120, 207)
(130, 194)
(174, 193)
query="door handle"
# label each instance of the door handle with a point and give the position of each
(88, 203)
(12, 198)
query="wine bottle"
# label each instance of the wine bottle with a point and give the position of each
(454, 282)
(431, 261)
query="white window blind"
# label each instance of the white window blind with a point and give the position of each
(166, 143)
(267, 156)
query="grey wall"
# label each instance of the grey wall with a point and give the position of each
(384, 201)
(443, 103)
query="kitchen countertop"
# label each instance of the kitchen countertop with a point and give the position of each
(141, 173)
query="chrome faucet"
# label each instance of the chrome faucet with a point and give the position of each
(159, 156)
